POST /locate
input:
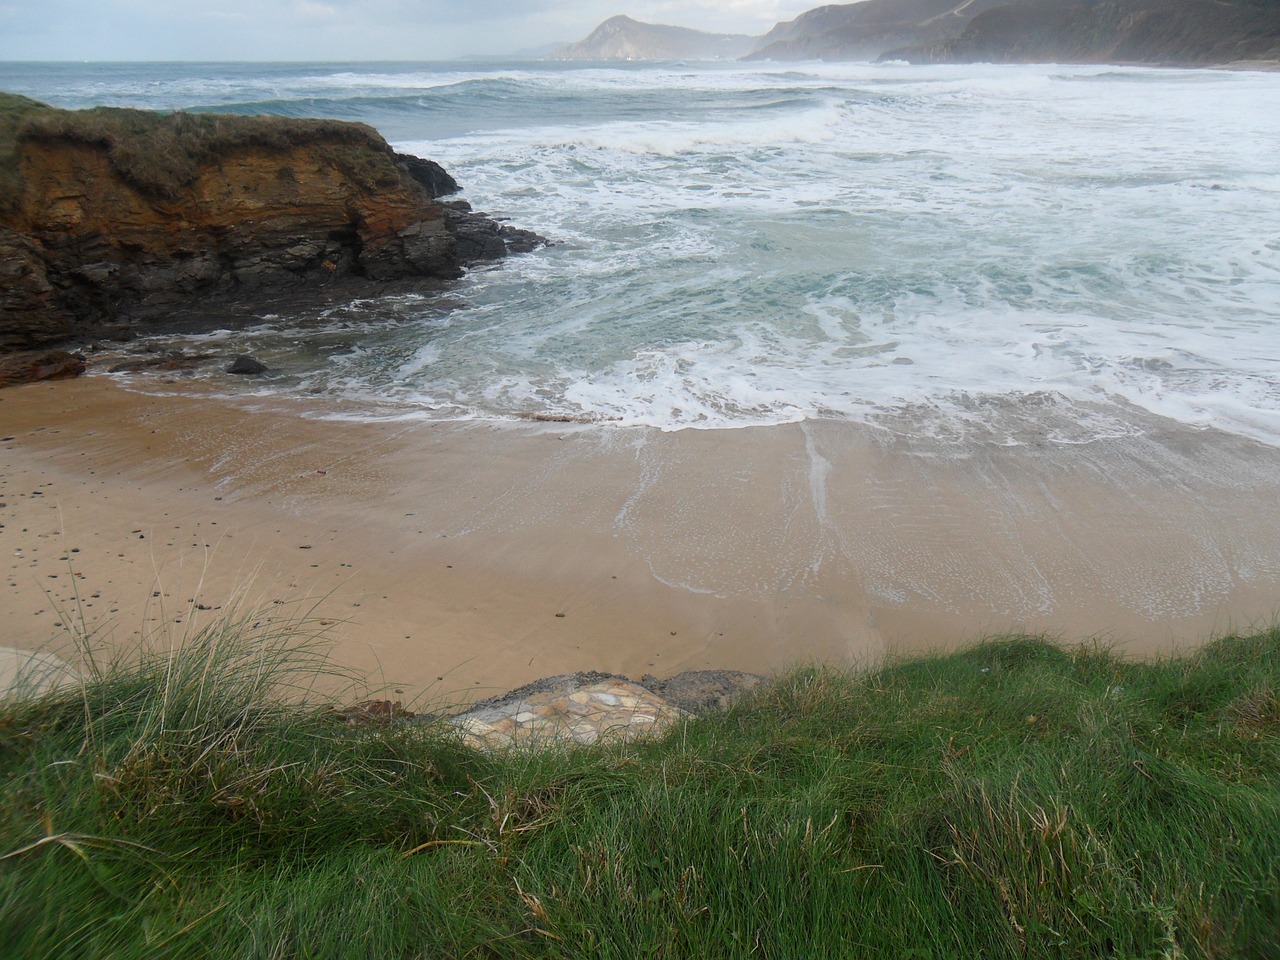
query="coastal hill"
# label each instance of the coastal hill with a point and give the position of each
(1163, 32)
(864, 31)
(621, 38)
(1166, 32)
(1169, 32)
(112, 219)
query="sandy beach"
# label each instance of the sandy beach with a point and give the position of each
(459, 559)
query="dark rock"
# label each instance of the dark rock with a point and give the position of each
(172, 361)
(702, 691)
(32, 365)
(247, 366)
(480, 237)
(433, 177)
(30, 309)
(521, 241)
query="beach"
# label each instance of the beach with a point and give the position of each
(823, 365)
(452, 560)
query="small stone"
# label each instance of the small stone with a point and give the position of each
(247, 366)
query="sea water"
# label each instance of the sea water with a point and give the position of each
(1081, 249)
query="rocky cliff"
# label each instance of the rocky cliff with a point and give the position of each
(621, 38)
(864, 31)
(1166, 32)
(115, 219)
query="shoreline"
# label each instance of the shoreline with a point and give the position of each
(456, 560)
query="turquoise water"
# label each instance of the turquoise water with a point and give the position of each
(969, 246)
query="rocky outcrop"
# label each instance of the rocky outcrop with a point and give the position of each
(115, 220)
(703, 691)
(621, 38)
(591, 707)
(28, 366)
(246, 366)
(1164, 32)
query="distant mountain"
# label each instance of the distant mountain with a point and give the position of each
(1168, 32)
(864, 31)
(540, 52)
(621, 38)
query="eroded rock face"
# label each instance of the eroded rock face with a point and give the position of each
(31, 310)
(90, 244)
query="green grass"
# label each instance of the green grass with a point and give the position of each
(162, 153)
(1015, 799)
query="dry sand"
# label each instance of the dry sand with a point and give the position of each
(455, 560)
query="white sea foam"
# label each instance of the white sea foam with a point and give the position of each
(968, 245)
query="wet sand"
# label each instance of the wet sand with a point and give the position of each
(453, 560)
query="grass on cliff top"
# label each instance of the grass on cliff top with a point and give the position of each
(14, 110)
(161, 153)
(1012, 800)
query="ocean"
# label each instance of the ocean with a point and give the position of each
(1014, 253)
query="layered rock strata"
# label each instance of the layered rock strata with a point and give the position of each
(113, 221)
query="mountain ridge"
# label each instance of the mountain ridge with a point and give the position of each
(623, 38)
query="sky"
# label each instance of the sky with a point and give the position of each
(342, 29)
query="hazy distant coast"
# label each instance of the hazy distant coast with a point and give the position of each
(1152, 32)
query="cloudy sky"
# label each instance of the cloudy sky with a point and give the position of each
(341, 29)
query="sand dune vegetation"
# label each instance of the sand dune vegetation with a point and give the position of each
(1014, 799)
